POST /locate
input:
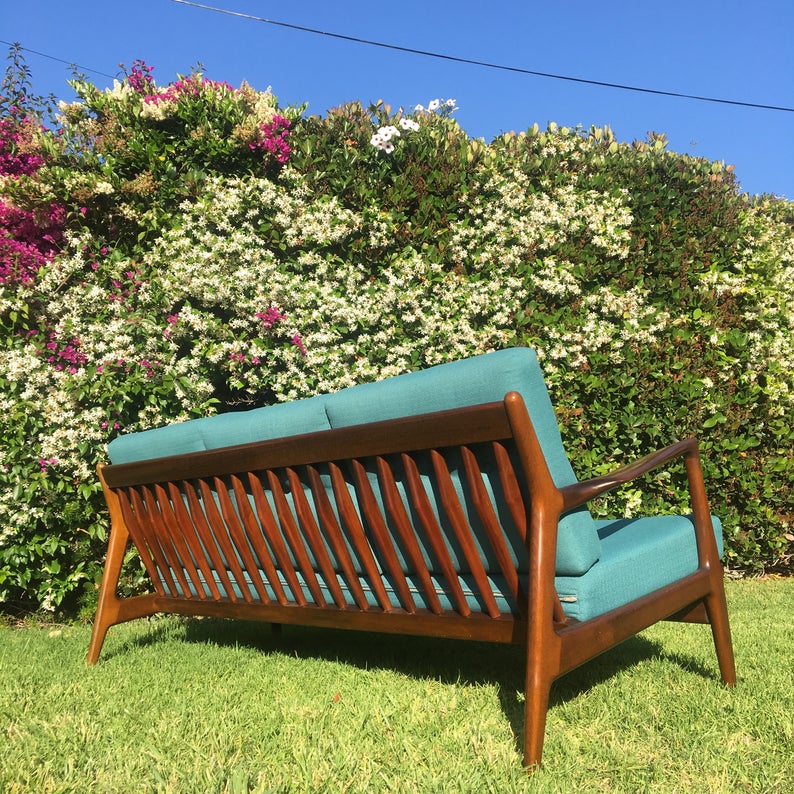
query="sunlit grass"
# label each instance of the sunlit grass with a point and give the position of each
(200, 705)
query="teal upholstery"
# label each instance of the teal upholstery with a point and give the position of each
(224, 430)
(638, 555)
(482, 379)
(474, 381)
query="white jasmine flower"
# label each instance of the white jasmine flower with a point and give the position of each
(387, 133)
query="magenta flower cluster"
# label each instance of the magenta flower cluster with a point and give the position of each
(63, 356)
(27, 239)
(270, 317)
(140, 78)
(273, 139)
(186, 87)
(123, 291)
(16, 159)
(141, 81)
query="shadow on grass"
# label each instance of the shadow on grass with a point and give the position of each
(438, 659)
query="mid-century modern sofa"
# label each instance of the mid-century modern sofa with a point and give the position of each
(439, 502)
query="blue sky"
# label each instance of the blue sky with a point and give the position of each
(727, 49)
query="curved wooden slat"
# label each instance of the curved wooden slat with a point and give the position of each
(312, 533)
(434, 534)
(208, 540)
(463, 531)
(133, 520)
(253, 532)
(333, 532)
(173, 529)
(203, 564)
(511, 489)
(371, 509)
(402, 523)
(240, 541)
(219, 532)
(141, 501)
(358, 540)
(518, 511)
(169, 545)
(493, 529)
(291, 532)
(275, 540)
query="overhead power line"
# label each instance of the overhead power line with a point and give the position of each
(486, 64)
(60, 60)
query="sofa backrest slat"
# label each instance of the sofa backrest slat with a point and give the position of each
(197, 555)
(336, 539)
(433, 532)
(460, 526)
(185, 571)
(143, 533)
(372, 514)
(395, 508)
(317, 549)
(253, 534)
(275, 539)
(488, 518)
(240, 543)
(357, 535)
(289, 526)
(198, 520)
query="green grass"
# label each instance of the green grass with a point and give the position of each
(215, 706)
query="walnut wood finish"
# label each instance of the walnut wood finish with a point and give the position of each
(317, 529)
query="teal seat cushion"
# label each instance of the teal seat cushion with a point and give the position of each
(212, 432)
(474, 381)
(638, 556)
(505, 603)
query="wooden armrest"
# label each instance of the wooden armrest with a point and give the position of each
(581, 492)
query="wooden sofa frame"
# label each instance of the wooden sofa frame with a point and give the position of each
(180, 513)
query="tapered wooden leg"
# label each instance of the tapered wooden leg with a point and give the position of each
(108, 607)
(535, 708)
(111, 609)
(717, 610)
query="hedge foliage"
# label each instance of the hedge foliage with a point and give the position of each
(170, 252)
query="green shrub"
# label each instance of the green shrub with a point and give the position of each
(233, 253)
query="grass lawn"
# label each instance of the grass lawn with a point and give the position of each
(216, 706)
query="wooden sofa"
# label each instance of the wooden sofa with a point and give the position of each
(440, 503)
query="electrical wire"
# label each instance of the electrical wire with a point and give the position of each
(60, 60)
(485, 64)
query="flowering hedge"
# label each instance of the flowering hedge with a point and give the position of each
(174, 251)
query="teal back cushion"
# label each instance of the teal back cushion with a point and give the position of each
(224, 430)
(474, 381)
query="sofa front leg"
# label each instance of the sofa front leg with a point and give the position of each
(717, 611)
(536, 705)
